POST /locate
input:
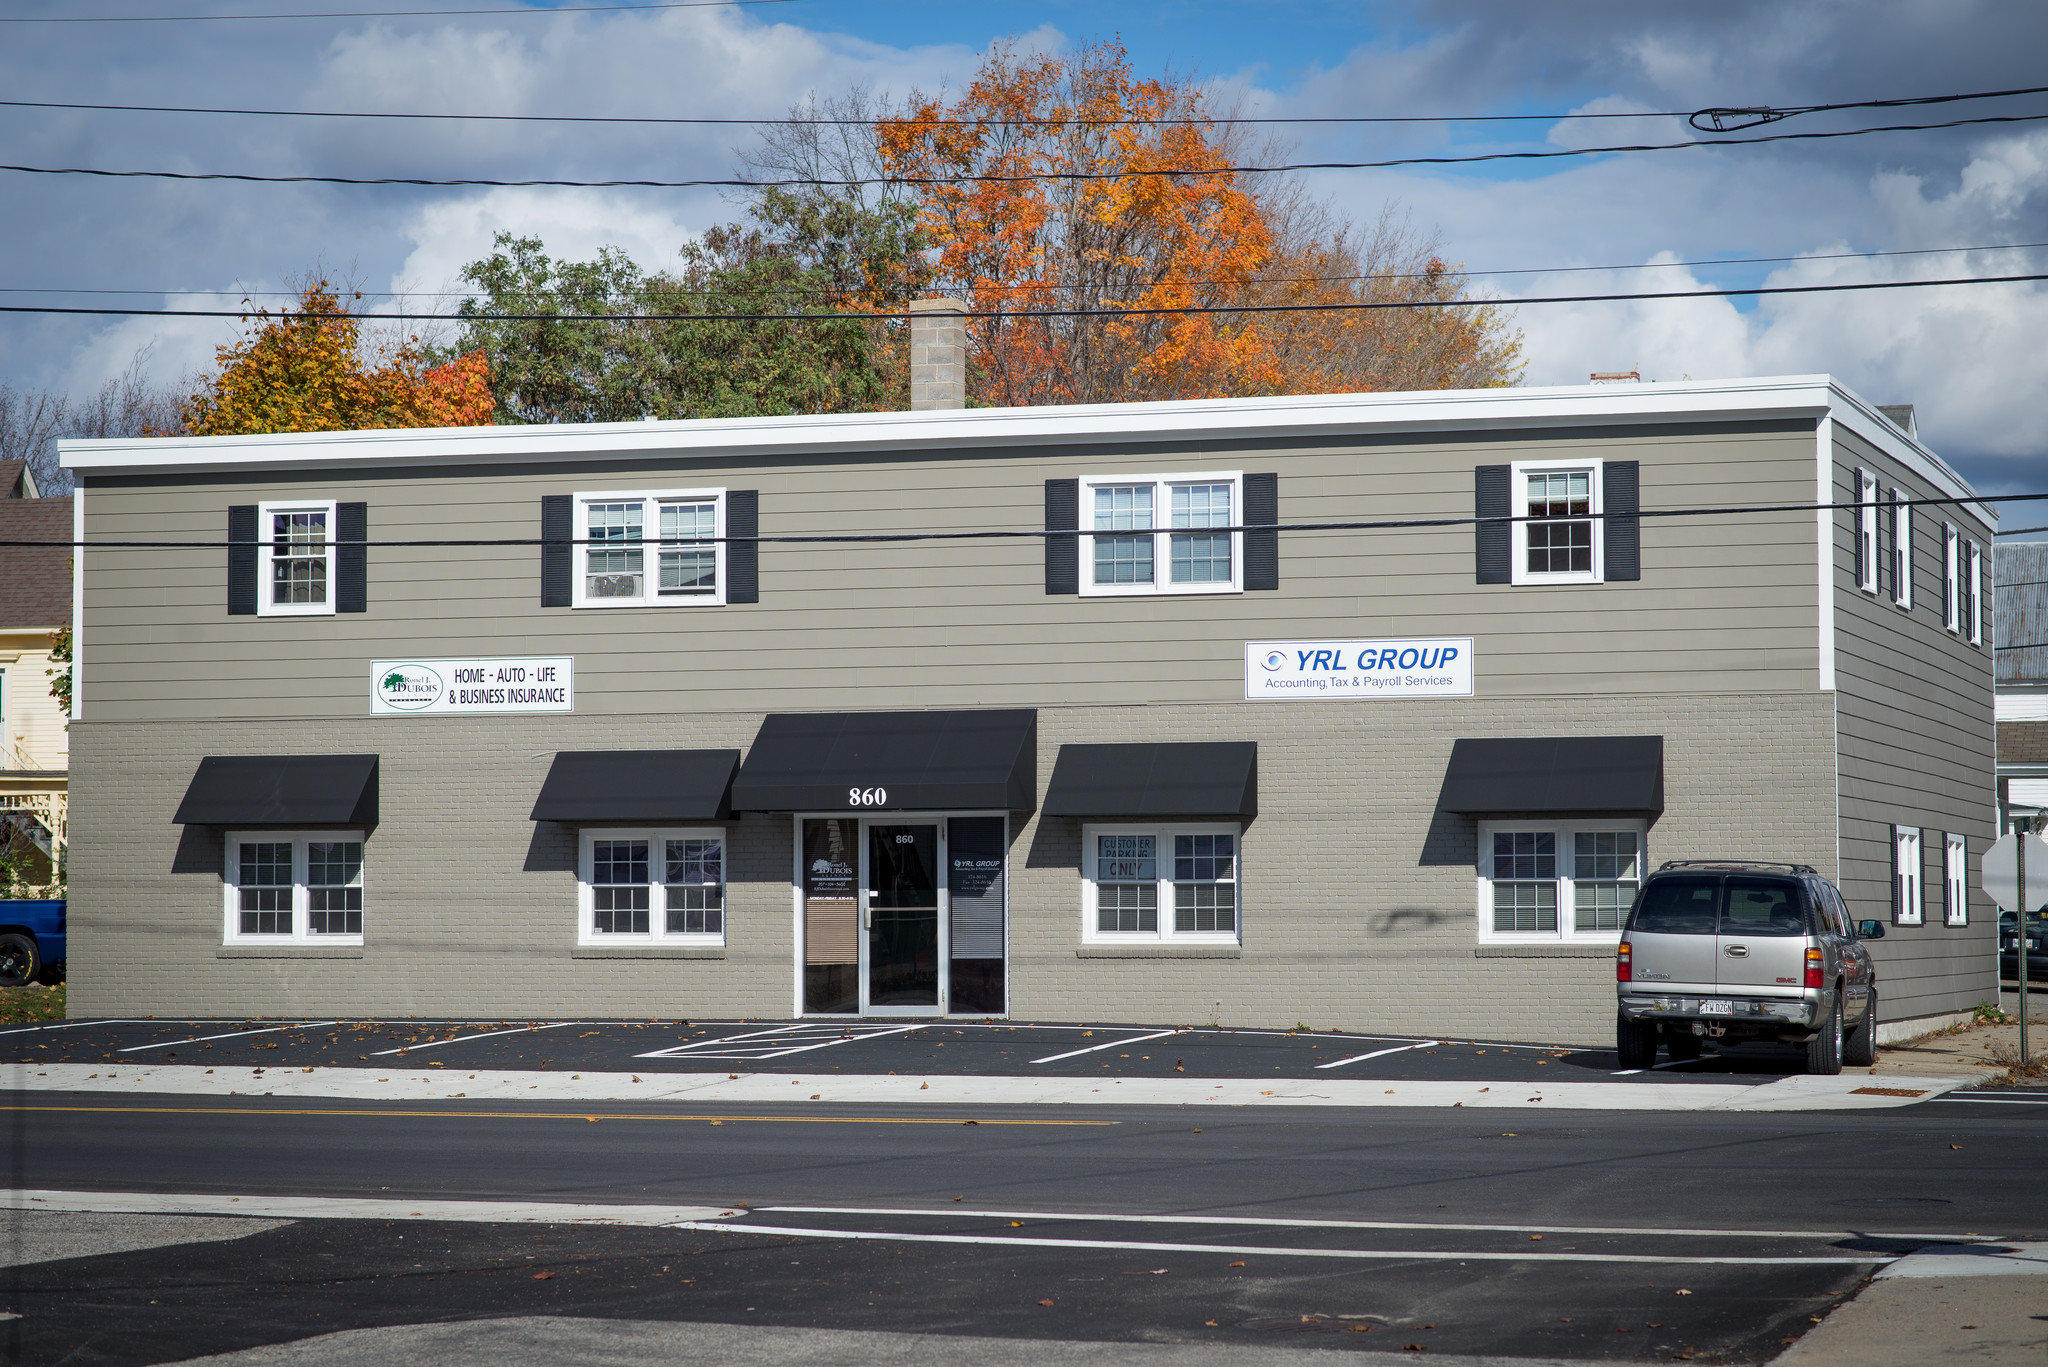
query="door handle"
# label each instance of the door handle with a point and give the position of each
(1736, 951)
(867, 918)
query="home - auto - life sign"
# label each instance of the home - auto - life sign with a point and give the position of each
(1292, 670)
(472, 686)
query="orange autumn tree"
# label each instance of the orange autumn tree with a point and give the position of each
(304, 371)
(1036, 185)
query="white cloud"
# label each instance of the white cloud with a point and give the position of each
(448, 234)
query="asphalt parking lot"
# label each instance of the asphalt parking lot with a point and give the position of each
(855, 1047)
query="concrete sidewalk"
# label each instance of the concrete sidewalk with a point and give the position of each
(1982, 1306)
(1980, 1053)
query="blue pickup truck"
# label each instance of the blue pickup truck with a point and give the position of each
(31, 941)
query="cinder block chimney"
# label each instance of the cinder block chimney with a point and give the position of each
(938, 354)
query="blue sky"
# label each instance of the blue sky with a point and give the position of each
(1967, 357)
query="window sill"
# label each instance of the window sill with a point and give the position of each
(1556, 951)
(1156, 951)
(648, 952)
(288, 952)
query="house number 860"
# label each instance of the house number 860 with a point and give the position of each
(866, 797)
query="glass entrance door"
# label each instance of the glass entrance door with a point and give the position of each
(900, 943)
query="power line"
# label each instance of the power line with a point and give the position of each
(380, 14)
(819, 182)
(1132, 312)
(796, 122)
(1056, 285)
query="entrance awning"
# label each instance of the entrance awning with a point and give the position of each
(1180, 780)
(1542, 775)
(282, 790)
(590, 787)
(892, 761)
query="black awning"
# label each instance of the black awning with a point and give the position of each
(1181, 780)
(1618, 774)
(892, 761)
(586, 787)
(282, 790)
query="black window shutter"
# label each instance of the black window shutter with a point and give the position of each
(557, 553)
(1261, 549)
(1063, 553)
(1491, 543)
(242, 560)
(1622, 498)
(1898, 900)
(742, 552)
(1856, 526)
(351, 557)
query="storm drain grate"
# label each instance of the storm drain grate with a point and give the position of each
(1889, 1091)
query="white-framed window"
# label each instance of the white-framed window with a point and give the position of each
(1557, 535)
(295, 559)
(1866, 531)
(1902, 550)
(1160, 883)
(1908, 905)
(1558, 880)
(1955, 881)
(650, 548)
(294, 887)
(1951, 578)
(1973, 592)
(1162, 534)
(663, 886)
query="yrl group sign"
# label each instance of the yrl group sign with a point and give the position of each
(1294, 670)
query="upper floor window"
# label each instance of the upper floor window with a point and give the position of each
(650, 548)
(1162, 534)
(1973, 592)
(1902, 549)
(1557, 536)
(295, 573)
(1951, 578)
(1866, 531)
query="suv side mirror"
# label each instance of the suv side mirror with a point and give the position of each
(1870, 930)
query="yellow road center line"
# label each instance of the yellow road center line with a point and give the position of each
(557, 1115)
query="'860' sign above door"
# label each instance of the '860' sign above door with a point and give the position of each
(867, 797)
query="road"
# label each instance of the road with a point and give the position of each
(1713, 1236)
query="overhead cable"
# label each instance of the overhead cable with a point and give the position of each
(822, 182)
(1131, 312)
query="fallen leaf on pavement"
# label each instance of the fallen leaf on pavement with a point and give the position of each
(1238, 1263)
(1045, 1302)
(543, 1276)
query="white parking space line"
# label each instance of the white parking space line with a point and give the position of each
(1658, 1067)
(457, 1039)
(352, 1208)
(778, 1043)
(1270, 1251)
(1998, 1100)
(1284, 1223)
(73, 1025)
(1076, 1053)
(232, 1034)
(1379, 1053)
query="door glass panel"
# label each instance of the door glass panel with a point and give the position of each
(903, 911)
(831, 917)
(975, 884)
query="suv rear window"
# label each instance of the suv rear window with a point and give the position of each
(1694, 904)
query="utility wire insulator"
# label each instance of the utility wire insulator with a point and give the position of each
(1734, 120)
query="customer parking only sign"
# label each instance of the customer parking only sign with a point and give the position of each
(1296, 670)
(439, 687)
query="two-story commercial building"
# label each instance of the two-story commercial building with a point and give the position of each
(1361, 710)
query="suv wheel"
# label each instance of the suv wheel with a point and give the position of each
(1635, 1042)
(19, 962)
(1824, 1053)
(1860, 1049)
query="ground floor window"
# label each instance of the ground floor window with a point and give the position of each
(294, 887)
(652, 886)
(1552, 880)
(1160, 883)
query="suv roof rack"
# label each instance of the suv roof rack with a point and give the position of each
(1736, 863)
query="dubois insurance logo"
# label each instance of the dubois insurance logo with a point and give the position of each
(410, 687)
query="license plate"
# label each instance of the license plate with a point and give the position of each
(1717, 1007)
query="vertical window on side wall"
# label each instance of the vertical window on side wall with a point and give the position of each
(1907, 906)
(1866, 531)
(295, 559)
(1951, 578)
(1556, 537)
(1161, 883)
(294, 888)
(1902, 551)
(1572, 880)
(1973, 588)
(1955, 881)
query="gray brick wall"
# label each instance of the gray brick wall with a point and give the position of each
(1360, 901)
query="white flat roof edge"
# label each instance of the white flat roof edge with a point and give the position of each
(1281, 416)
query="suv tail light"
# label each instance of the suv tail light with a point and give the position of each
(1813, 968)
(1622, 973)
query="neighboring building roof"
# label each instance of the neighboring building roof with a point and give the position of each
(16, 481)
(2019, 611)
(35, 581)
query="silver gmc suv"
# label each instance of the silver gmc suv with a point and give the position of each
(1737, 950)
